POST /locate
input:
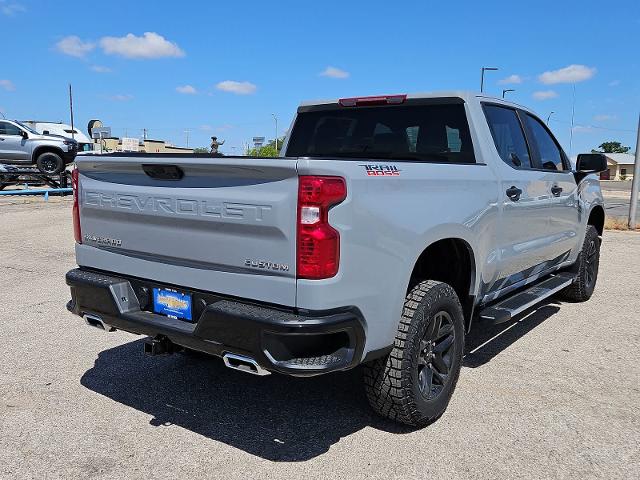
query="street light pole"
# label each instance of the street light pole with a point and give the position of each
(549, 116)
(506, 90)
(482, 77)
(634, 185)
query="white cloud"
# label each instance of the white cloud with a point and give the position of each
(333, 72)
(239, 88)
(7, 85)
(544, 94)
(511, 79)
(187, 90)
(604, 117)
(121, 97)
(583, 129)
(614, 83)
(570, 74)
(10, 8)
(221, 128)
(100, 69)
(150, 45)
(74, 47)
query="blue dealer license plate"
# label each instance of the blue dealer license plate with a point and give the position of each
(172, 303)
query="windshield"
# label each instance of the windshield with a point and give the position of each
(430, 133)
(27, 128)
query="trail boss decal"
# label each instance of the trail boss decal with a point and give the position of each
(381, 170)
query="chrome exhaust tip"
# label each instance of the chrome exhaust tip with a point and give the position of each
(96, 321)
(244, 364)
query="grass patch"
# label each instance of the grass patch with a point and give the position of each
(618, 223)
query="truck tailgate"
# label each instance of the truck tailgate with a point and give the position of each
(227, 226)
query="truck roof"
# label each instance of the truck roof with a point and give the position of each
(465, 95)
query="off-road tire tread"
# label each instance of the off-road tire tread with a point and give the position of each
(577, 291)
(388, 380)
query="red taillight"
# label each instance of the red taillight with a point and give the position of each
(75, 184)
(377, 100)
(318, 242)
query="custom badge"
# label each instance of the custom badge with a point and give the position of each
(381, 170)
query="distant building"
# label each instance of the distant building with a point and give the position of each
(160, 146)
(114, 144)
(620, 166)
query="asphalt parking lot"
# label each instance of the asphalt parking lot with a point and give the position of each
(554, 395)
(617, 197)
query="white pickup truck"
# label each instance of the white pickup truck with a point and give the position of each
(388, 227)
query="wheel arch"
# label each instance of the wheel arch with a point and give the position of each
(46, 149)
(596, 218)
(459, 272)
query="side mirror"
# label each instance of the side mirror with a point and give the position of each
(24, 134)
(45, 132)
(591, 163)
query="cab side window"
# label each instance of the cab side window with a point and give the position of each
(547, 148)
(7, 128)
(508, 136)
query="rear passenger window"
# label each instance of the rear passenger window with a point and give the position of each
(508, 136)
(546, 146)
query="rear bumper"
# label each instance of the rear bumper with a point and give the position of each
(280, 340)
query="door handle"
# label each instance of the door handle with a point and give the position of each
(1, 139)
(556, 190)
(514, 193)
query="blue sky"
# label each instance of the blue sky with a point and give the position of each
(223, 68)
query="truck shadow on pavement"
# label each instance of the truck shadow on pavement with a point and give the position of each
(485, 342)
(278, 418)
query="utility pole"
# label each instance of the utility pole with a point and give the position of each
(484, 69)
(634, 185)
(573, 111)
(144, 134)
(507, 90)
(186, 134)
(276, 119)
(71, 110)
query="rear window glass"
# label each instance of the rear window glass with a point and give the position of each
(430, 133)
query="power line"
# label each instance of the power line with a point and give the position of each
(596, 127)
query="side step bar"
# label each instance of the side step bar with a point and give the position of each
(508, 308)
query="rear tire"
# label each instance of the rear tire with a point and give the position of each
(50, 163)
(414, 383)
(586, 268)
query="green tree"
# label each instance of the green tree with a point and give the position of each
(268, 150)
(200, 150)
(612, 147)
